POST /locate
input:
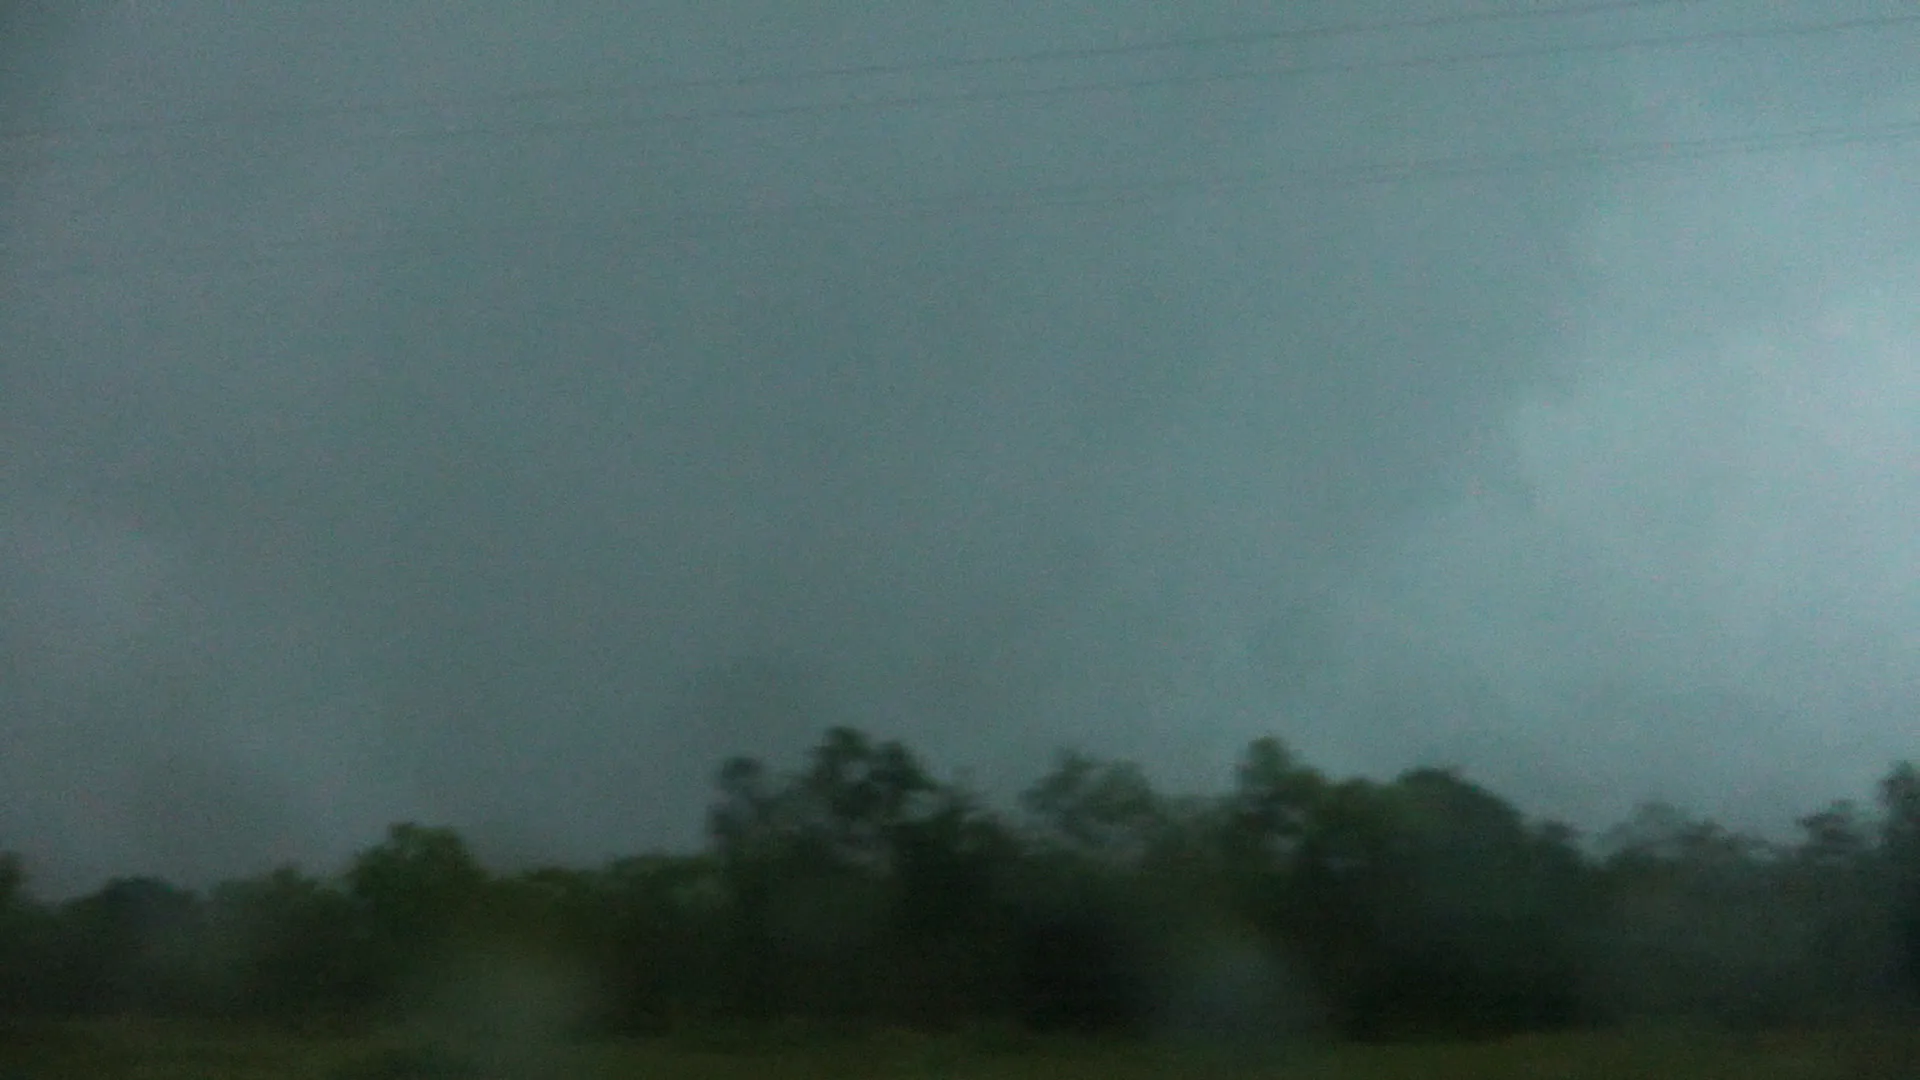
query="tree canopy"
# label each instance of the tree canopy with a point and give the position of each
(860, 888)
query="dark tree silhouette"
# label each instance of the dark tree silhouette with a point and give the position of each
(857, 889)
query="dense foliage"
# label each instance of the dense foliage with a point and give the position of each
(858, 890)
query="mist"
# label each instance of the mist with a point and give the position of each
(499, 417)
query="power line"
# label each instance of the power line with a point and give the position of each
(1588, 157)
(1165, 82)
(535, 127)
(1592, 157)
(1212, 41)
(867, 71)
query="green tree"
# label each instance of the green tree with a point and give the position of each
(671, 948)
(418, 894)
(134, 946)
(1273, 803)
(858, 796)
(291, 946)
(27, 961)
(1694, 925)
(952, 867)
(1088, 929)
(1900, 851)
(1831, 881)
(1476, 900)
(1104, 811)
(1265, 826)
(1343, 869)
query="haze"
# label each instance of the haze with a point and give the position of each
(404, 416)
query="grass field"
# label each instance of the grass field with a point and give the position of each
(157, 1052)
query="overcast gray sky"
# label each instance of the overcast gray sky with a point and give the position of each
(408, 409)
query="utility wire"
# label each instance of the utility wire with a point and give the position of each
(1457, 60)
(1158, 82)
(536, 127)
(860, 71)
(1589, 157)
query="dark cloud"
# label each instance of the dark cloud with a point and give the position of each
(391, 473)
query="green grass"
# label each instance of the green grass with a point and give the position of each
(184, 1052)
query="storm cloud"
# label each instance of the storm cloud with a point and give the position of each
(498, 416)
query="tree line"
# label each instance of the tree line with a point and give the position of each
(856, 889)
